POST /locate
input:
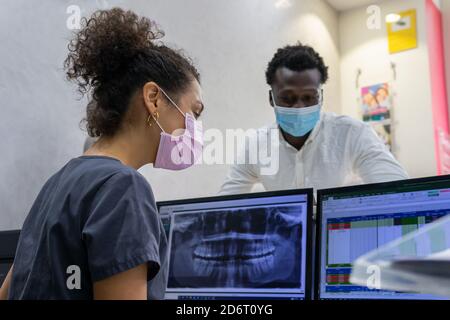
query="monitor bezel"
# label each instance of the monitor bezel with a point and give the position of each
(267, 194)
(9, 240)
(349, 189)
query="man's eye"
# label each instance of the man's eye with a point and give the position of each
(310, 99)
(288, 100)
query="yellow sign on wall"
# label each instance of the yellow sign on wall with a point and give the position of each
(402, 35)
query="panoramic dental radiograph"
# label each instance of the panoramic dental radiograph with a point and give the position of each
(256, 247)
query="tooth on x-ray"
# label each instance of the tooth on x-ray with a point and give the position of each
(288, 215)
(255, 247)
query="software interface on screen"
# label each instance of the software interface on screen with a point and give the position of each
(237, 249)
(356, 223)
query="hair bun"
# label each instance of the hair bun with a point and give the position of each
(115, 54)
(106, 44)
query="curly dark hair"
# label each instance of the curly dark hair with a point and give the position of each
(297, 57)
(114, 54)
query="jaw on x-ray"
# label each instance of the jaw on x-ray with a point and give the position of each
(255, 247)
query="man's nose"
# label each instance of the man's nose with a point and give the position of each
(299, 104)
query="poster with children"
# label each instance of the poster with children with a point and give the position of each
(376, 110)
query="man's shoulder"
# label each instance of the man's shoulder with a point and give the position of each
(267, 129)
(260, 137)
(341, 122)
(262, 132)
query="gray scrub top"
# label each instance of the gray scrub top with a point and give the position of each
(93, 219)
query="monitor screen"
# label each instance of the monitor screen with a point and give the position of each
(239, 247)
(356, 220)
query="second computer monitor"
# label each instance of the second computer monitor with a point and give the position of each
(353, 221)
(252, 246)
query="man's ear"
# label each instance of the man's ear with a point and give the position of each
(271, 98)
(151, 93)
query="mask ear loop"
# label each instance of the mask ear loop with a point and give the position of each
(173, 102)
(273, 98)
(155, 117)
(321, 97)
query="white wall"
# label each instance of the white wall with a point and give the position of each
(39, 111)
(231, 41)
(368, 50)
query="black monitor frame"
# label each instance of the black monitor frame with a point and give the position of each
(8, 245)
(406, 185)
(309, 221)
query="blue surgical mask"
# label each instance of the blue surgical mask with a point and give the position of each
(297, 121)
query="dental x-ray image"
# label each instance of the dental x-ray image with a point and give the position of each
(252, 247)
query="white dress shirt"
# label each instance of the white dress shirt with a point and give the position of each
(339, 151)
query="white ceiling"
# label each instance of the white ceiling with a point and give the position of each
(342, 5)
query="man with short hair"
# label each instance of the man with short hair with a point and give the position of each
(316, 149)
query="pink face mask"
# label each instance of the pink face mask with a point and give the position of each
(183, 151)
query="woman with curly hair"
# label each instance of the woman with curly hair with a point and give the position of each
(93, 232)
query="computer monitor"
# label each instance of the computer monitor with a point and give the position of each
(352, 221)
(251, 246)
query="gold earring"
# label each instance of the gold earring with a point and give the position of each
(155, 117)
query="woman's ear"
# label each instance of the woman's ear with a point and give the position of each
(151, 92)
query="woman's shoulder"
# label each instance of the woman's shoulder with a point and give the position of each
(131, 176)
(101, 165)
(101, 172)
(117, 172)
